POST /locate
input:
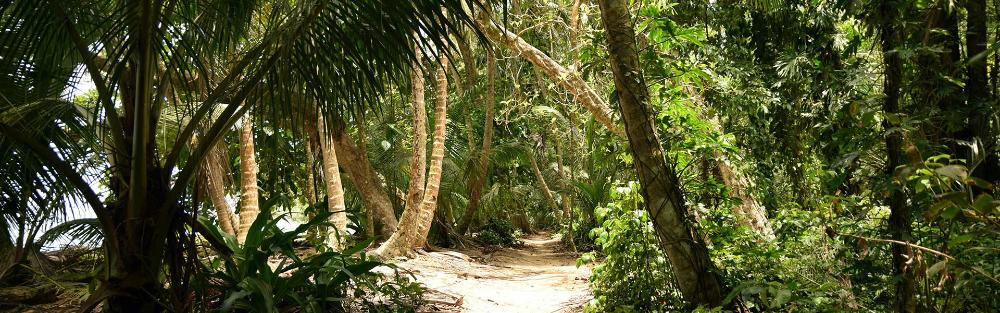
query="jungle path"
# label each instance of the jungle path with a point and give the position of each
(536, 277)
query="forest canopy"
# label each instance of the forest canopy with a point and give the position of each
(378, 155)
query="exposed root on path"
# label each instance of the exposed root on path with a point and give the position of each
(537, 277)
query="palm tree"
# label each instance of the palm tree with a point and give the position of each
(416, 219)
(139, 53)
(249, 197)
(664, 200)
(482, 165)
(334, 187)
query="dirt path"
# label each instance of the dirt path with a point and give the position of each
(537, 277)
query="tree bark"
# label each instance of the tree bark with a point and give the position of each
(213, 171)
(977, 86)
(249, 205)
(480, 177)
(366, 180)
(362, 154)
(542, 184)
(418, 165)
(416, 222)
(556, 72)
(334, 187)
(574, 34)
(899, 212)
(310, 173)
(750, 212)
(688, 256)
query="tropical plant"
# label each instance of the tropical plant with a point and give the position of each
(327, 281)
(145, 59)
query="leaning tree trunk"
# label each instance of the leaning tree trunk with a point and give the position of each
(899, 212)
(688, 256)
(212, 170)
(567, 206)
(249, 205)
(479, 181)
(750, 212)
(542, 184)
(366, 180)
(556, 72)
(413, 227)
(426, 212)
(334, 187)
(399, 242)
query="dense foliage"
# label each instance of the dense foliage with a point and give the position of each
(279, 155)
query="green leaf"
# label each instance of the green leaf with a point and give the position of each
(954, 172)
(984, 203)
(960, 239)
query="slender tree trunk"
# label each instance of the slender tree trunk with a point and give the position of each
(467, 87)
(567, 206)
(249, 205)
(696, 278)
(418, 165)
(213, 171)
(363, 156)
(556, 72)
(980, 101)
(750, 211)
(400, 242)
(480, 177)
(334, 187)
(899, 212)
(413, 228)
(358, 168)
(574, 35)
(543, 185)
(310, 170)
(429, 205)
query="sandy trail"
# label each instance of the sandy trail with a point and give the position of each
(537, 277)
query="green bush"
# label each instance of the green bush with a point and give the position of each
(499, 232)
(267, 274)
(635, 275)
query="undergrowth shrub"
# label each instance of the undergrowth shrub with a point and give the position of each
(635, 275)
(499, 232)
(267, 274)
(581, 235)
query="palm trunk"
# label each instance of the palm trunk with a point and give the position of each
(688, 256)
(334, 187)
(413, 227)
(556, 72)
(476, 188)
(249, 205)
(899, 212)
(429, 205)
